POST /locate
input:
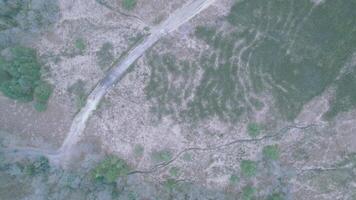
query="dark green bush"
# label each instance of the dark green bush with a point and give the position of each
(20, 77)
(254, 129)
(129, 4)
(248, 168)
(110, 169)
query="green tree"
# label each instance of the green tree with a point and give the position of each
(110, 169)
(248, 168)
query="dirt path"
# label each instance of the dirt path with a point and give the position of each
(179, 17)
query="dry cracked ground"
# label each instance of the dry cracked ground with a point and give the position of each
(250, 99)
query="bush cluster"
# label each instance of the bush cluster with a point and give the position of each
(20, 78)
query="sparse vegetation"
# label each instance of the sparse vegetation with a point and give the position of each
(21, 78)
(162, 156)
(271, 152)
(105, 56)
(248, 168)
(79, 92)
(174, 171)
(39, 166)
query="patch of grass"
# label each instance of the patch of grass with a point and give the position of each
(248, 193)
(105, 56)
(110, 169)
(248, 168)
(271, 152)
(345, 97)
(129, 4)
(161, 156)
(254, 129)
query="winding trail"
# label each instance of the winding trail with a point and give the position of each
(176, 19)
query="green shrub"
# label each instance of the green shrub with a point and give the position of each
(271, 152)
(129, 4)
(39, 166)
(42, 92)
(110, 169)
(20, 77)
(248, 168)
(248, 193)
(254, 129)
(80, 45)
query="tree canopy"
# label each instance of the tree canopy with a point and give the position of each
(20, 77)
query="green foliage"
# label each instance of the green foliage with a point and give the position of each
(345, 97)
(254, 129)
(39, 166)
(105, 55)
(20, 77)
(80, 45)
(162, 156)
(205, 33)
(271, 152)
(174, 171)
(234, 179)
(248, 168)
(276, 196)
(129, 4)
(248, 193)
(110, 169)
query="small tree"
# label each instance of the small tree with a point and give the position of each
(248, 168)
(254, 129)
